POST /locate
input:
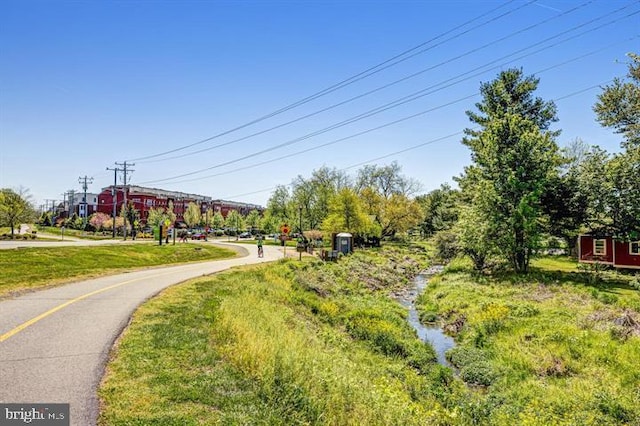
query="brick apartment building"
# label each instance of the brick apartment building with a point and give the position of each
(144, 199)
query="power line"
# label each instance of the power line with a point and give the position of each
(414, 96)
(357, 77)
(422, 144)
(406, 78)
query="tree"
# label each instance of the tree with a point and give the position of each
(158, 216)
(98, 220)
(234, 221)
(398, 215)
(386, 180)
(439, 210)
(623, 172)
(618, 105)
(253, 219)
(46, 219)
(565, 201)
(279, 204)
(132, 215)
(193, 216)
(346, 214)
(514, 156)
(385, 194)
(15, 208)
(473, 234)
(218, 221)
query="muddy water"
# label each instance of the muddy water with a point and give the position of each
(431, 333)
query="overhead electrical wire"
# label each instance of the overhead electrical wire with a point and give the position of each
(420, 145)
(401, 101)
(324, 145)
(397, 59)
(403, 79)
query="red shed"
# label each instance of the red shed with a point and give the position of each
(606, 250)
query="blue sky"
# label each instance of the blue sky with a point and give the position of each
(84, 84)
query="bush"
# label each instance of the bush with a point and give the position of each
(446, 244)
(479, 374)
(473, 364)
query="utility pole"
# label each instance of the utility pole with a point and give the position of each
(126, 208)
(83, 181)
(72, 201)
(114, 193)
(64, 203)
(52, 210)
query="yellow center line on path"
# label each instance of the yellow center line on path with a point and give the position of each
(32, 321)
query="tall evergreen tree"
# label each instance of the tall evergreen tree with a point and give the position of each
(514, 156)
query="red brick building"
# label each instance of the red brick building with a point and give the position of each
(144, 199)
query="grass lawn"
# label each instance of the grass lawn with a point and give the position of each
(271, 345)
(550, 347)
(29, 268)
(324, 344)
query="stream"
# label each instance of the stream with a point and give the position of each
(431, 333)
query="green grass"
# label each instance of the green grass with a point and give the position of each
(30, 268)
(76, 233)
(259, 346)
(549, 347)
(323, 344)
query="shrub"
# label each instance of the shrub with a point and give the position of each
(446, 245)
(480, 374)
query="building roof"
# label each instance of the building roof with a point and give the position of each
(162, 193)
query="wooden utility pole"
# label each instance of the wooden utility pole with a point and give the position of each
(84, 181)
(126, 208)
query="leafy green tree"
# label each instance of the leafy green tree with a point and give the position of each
(253, 219)
(46, 219)
(623, 172)
(473, 234)
(217, 222)
(618, 105)
(325, 183)
(279, 204)
(565, 201)
(132, 215)
(158, 216)
(234, 221)
(192, 216)
(346, 214)
(514, 156)
(439, 210)
(15, 208)
(385, 194)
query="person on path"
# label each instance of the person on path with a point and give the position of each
(260, 251)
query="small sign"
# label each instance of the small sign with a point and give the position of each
(167, 222)
(285, 229)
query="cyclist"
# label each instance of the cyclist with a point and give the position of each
(260, 251)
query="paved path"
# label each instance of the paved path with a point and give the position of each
(54, 343)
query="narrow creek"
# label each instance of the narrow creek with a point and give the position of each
(431, 333)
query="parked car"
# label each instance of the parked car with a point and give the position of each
(245, 235)
(199, 236)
